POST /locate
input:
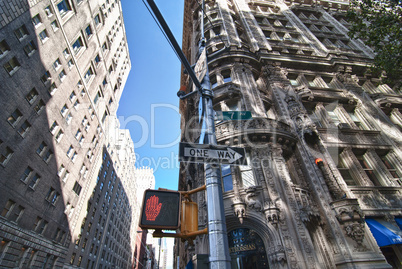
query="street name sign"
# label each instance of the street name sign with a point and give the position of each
(199, 153)
(233, 115)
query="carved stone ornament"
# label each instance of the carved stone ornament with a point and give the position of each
(239, 208)
(356, 232)
(272, 212)
(351, 217)
(251, 200)
(310, 215)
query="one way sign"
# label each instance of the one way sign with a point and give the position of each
(199, 153)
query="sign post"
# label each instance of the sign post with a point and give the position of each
(198, 153)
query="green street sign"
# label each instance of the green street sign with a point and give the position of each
(233, 115)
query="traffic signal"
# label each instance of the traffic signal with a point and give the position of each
(160, 210)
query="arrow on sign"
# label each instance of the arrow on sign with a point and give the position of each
(211, 154)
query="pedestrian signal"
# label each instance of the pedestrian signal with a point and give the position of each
(160, 210)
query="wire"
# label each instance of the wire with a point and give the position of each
(160, 28)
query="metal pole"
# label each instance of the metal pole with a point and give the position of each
(217, 234)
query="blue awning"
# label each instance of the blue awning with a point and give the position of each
(384, 236)
(399, 222)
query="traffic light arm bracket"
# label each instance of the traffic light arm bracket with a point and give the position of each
(186, 194)
(159, 233)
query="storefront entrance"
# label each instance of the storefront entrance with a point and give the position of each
(247, 250)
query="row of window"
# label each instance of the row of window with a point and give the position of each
(28, 255)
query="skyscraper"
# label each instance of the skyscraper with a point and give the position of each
(64, 66)
(322, 185)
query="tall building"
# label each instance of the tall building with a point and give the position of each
(64, 65)
(322, 187)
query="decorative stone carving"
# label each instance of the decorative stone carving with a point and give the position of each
(351, 217)
(272, 212)
(356, 232)
(239, 208)
(310, 215)
(252, 203)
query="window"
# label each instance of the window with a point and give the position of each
(48, 11)
(70, 63)
(48, 156)
(24, 128)
(104, 47)
(367, 168)
(21, 32)
(77, 188)
(97, 59)
(32, 95)
(8, 208)
(72, 96)
(43, 36)
(66, 53)
(334, 117)
(356, 120)
(52, 196)
(226, 76)
(55, 25)
(59, 135)
(64, 110)
(34, 181)
(42, 226)
(63, 7)
(97, 20)
(36, 20)
(4, 48)
(62, 75)
(30, 48)
(66, 175)
(12, 66)
(74, 156)
(26, 174)
(246, 173)
(17, 213)
(226, 173)
(391, 169)
(96, 99)
(52, 88)
(76, 104)
(78, 134)
(14, 117)
(88, 31)
(70, 151)
(57, 64)
(61, 170)
(46, 77)
(53, 127)
(68, 118)
(77, 45)
(41, 149)
(38, 108)
(88, 74)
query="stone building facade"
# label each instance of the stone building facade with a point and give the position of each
(323, 147)
(64, 65)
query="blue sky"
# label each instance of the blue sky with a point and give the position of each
(149, 104)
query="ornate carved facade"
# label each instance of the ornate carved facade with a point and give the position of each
(324, 144)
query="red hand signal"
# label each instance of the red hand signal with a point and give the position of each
(153, 207)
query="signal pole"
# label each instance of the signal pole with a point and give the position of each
(219, 257)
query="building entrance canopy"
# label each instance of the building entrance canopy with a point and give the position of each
(384, 233)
